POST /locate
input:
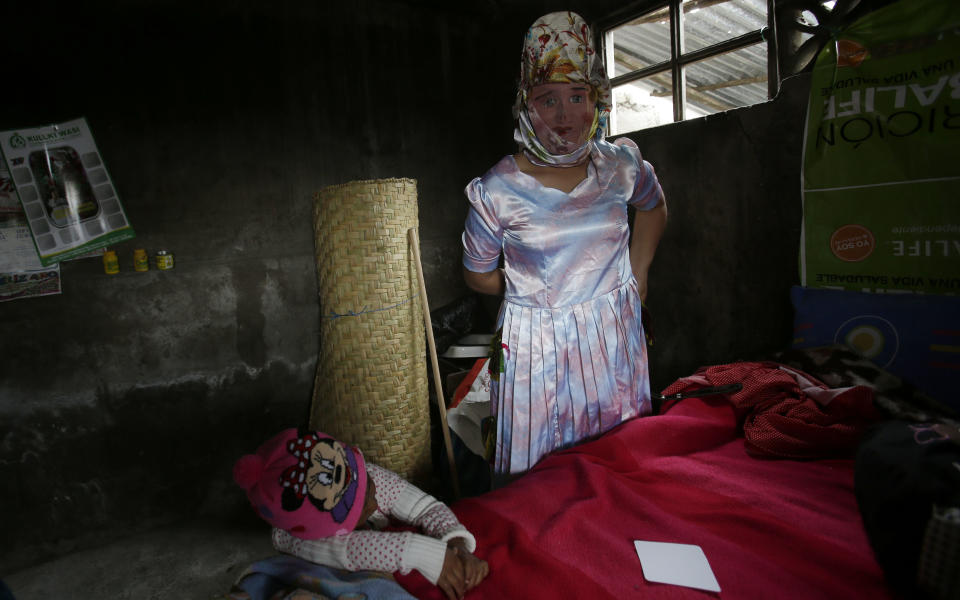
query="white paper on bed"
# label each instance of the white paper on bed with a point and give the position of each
(676, 564)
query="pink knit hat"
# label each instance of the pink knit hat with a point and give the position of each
(306, 483)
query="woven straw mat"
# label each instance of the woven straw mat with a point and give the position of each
(371, 382)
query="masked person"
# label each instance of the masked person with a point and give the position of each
(572, 358)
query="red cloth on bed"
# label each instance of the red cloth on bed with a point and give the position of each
(770, 528)
(788, 413)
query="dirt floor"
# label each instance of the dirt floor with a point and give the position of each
(189, 561)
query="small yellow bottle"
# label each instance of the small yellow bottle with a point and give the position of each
(140, 260)
(111, 265)
(164, 260)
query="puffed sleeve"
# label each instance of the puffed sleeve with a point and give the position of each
(482, 233)
(646, 189)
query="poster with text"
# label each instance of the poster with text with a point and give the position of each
(881, 175)
(21, 273)
(67, 195)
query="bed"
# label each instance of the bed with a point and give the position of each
(770, 526)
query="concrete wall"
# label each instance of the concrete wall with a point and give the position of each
(719, 286)
(125, 400)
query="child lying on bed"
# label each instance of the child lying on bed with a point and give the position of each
(326, 504)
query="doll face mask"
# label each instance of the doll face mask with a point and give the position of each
(558, 51)
(562, 115)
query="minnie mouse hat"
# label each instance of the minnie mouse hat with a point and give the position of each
(306, 483)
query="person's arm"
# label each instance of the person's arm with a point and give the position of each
(482, 241)
(457, 569)
(401, 500)
(648, 226)
(351, 552)
(485, 283)
(386, 551)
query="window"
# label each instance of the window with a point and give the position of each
(689, 58)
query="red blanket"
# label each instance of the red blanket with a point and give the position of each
(769, 528)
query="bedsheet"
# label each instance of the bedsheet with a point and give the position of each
(770, 528)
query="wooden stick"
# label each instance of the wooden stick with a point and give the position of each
(441, 403)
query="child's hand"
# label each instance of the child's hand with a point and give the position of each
(453, 578)
(474, 569)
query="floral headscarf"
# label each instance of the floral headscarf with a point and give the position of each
(559, 48)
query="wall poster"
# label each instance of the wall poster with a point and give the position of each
(67, 195)
(881, 175)
(21, 274)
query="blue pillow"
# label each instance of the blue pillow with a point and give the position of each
(913, 336)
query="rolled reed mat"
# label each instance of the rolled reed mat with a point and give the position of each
(371, 382)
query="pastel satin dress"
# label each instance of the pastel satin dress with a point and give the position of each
(574, 361)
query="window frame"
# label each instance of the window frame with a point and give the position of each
(678, 60)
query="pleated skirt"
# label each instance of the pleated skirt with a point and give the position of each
(568, 374)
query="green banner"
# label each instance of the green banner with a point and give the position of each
(881, 161)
